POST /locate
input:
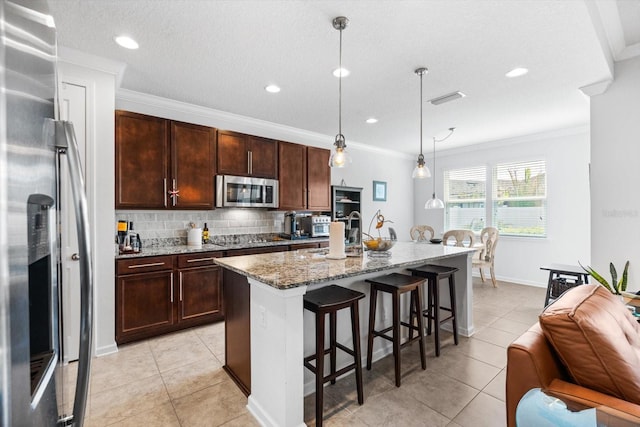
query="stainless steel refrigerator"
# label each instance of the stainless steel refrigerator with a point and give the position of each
(32, 146)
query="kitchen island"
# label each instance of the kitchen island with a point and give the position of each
(281, 333)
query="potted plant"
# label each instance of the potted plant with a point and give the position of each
(617, 286)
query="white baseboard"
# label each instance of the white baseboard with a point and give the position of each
(107, 349)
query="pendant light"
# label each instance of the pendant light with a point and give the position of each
(421, 170)
(434, 202)
(340, 157)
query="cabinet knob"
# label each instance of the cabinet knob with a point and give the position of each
(75, 257)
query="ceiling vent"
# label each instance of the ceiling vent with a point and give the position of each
(446, 98)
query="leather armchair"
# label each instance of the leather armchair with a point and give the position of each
(532, 362)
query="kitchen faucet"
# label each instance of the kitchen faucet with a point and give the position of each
(355, 247)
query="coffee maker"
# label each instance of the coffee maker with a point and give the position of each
(291, 228)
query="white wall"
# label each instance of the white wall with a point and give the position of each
(100, 189)
(615, 149)
(396, 172)
(566, 153)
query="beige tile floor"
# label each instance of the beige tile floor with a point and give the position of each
(178, 380)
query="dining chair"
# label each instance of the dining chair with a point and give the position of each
(489, 239)
(463, 238)
(417, 232)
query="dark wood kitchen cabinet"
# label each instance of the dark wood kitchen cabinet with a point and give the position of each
(163, 164)
(318, 179)
(144, 298)
(292, 172)
(246, 155)
(237, 329)
(142, 161)
(193, 152)
(157, 295)
(305, 177)
(199, 288)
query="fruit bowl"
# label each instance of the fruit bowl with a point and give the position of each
(379, 244)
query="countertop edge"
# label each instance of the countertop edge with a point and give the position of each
(375, 269)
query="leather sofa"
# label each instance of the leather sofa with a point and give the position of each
(534, 362)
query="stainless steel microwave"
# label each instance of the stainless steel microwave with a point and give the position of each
(246, 192)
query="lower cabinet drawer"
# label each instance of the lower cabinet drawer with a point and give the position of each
(198, 259)
(144, 264)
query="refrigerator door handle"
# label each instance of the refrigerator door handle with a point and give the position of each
(66, 142)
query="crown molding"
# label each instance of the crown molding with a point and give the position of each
(524, 139)
(87, 60)
(597, 88)
(608, 24)
(178, 110)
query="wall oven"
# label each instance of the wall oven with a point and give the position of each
(246, 192)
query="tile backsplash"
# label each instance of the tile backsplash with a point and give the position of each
(170, 227)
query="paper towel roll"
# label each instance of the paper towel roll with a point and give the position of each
(336, 241)
(194, 237)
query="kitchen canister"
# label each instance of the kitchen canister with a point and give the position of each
(194, 236)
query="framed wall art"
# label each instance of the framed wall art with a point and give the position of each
(379, 191)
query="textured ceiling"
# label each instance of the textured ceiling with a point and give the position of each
(221, 54)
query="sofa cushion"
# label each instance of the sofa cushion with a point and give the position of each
(597, 339)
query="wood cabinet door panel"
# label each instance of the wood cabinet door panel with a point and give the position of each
(192, 163)
(292, 173)
(318, 179)
(199, 293)
(232, 158)
(264, 157)
(141, 160)
(144, 304)
(237, 327)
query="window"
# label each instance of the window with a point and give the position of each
(520, 198)
(465, 198)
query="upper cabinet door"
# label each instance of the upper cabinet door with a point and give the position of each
(246, 155)
(292, 173)
(263, 157)
(142, 168)
(233, 153)
(318, 179)
(193, 151)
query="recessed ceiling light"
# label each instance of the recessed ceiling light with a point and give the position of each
(126, 42)
(372, 120)
(517, 72)
(272, 89)
(342, 71)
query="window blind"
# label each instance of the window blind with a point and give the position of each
(520, 198)
(465, 197)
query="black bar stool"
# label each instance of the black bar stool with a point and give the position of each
(329, 300)
(433, 274)
(396, 284)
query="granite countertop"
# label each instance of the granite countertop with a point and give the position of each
(184, 249)
(284, 270)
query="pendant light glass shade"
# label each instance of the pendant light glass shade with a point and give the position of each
(421, 170)
(434, 202)
(340, 157)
